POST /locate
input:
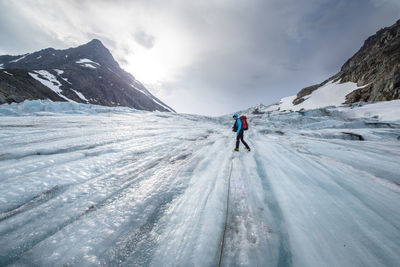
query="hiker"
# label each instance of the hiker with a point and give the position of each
(238, 128)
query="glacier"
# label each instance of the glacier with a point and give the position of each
(86, 185)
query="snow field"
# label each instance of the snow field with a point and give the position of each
(330, 94)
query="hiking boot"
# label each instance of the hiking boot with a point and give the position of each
(249, 149)
(236, 149)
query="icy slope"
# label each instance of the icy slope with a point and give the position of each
(121, 187)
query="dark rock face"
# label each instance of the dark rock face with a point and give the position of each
(85, 74)
(376, 65)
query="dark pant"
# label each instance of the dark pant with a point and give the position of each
(240, 138)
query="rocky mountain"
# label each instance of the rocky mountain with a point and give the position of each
(85, 74)
(375, 68)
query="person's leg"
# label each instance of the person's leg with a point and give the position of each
(237, 141)
(244, 143)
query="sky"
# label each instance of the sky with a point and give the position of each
(209, 57)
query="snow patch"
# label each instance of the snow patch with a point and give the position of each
(81, 96)
(66, 79)
(140, 90)
(86, 60)
(59, 72)
(39, 57)
(1, 66)
(164, 106)
(6, 72)
(113, 71)
(18, 59)
(49, 81)
(89, 66)
(286, 103)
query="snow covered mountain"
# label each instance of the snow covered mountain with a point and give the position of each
(85, 74)
(87, 185)
(372, 74)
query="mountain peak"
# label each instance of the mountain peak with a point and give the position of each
(95, 50)
(95, 43)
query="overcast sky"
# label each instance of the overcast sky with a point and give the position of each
(208, 57)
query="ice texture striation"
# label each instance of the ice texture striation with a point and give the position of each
(86, 185)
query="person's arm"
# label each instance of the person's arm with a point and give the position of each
(239, 124)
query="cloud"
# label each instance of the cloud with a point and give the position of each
(144, 39)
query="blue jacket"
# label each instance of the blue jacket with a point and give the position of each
(239, 125)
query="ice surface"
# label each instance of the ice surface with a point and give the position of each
(386, 111)
(47, 107)
(88, 185)
(1, 66)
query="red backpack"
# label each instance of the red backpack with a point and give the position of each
(245, 126)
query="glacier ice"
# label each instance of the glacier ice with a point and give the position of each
(89, 185)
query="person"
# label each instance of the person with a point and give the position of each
(237, 127)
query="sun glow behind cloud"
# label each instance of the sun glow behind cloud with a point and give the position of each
(162, 62)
